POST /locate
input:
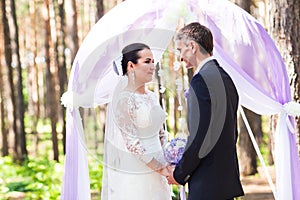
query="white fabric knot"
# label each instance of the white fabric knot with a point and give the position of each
(67, 99)
(292, 108)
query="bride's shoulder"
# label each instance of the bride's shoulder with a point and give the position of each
(121, 99)
(154, 96)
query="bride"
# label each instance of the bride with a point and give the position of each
(134, 165)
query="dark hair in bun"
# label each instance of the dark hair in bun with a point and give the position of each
(131, 53)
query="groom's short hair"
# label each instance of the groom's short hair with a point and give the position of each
(198, 33)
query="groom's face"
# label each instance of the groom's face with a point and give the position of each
(185, 51)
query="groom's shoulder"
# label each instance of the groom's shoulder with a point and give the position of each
(210, 68)
(211, 71)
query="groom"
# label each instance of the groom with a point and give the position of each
(209, 164)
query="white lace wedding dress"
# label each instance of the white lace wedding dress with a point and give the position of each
(131, 141)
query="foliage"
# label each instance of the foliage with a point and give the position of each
(264, 145)
(95, 172)
(38, 178)
(175, 192)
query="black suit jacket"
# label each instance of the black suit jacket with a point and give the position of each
(209, 164)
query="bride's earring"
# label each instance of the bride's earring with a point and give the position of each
(133, 76)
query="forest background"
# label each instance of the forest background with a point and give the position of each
(38, 42)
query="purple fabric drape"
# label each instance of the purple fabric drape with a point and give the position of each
(70, 179)
(242, 42)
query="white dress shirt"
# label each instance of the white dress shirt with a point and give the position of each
(202, 63)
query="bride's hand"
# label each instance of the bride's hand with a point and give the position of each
(163, 171)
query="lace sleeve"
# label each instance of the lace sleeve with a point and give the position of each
(125, 122)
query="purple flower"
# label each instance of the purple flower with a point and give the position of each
(174, 149)
(185, 92)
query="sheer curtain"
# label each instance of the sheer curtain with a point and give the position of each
(242, 47)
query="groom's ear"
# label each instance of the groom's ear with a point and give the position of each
(193, 46)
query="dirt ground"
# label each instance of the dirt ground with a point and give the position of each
(257, 187)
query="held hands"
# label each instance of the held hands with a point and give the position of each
(163, 171)
(168, 173)
(170, 176)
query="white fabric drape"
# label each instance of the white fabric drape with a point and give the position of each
(252, 64)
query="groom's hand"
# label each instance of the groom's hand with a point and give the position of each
(170, 177)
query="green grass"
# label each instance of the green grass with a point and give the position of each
(39, 178)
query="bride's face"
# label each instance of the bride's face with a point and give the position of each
(144, 69)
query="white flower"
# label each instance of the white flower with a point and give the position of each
(160, 73)
(180, 143)
(292, 108)
(181, 135)
(162, 89)
(180, 108)
(176, 65)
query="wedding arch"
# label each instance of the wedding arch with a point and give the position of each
(242, 46)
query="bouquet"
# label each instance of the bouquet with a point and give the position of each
(173, 152)
(174, 149)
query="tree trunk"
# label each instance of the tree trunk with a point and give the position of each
(284, 26)
(72, 27)
(100, 9)
(33, 92)
(247, 154)
(245, 4)
(3, 114)
(20, 96)
(50, 83)
(8, 60)
(271, 142)
(61, 63)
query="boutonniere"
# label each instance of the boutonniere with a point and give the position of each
(186, 93)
